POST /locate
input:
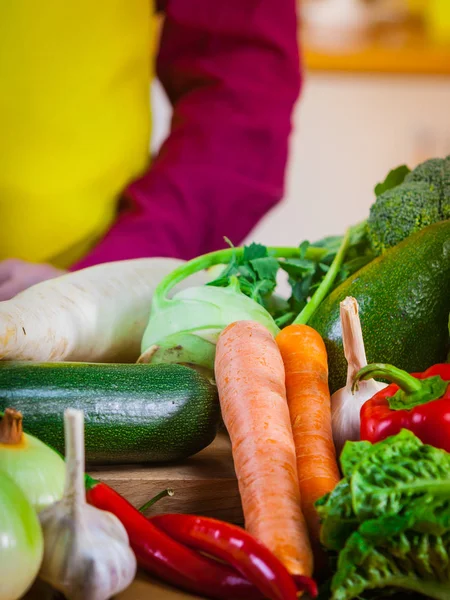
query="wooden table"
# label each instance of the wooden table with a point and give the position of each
(144, 588)
(203, 484)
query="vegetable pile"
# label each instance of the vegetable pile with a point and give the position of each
(336, 401)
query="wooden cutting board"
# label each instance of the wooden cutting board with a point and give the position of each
(203, 484)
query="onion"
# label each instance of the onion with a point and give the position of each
(37, 469)
(21, 541)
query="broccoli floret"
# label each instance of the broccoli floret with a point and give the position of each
(421, 200)
(400, 212)
(435, 172)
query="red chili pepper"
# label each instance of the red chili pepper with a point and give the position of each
(166, 558)
(238, 548)
(419, 402)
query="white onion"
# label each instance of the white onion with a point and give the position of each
(21, 541)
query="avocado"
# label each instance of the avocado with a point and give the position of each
(404, 305)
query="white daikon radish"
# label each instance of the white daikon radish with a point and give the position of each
(98, 314)
(345, 404)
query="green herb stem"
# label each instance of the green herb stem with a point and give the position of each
(324, 288)
(223, 257)
(284, 319)
(154, 500)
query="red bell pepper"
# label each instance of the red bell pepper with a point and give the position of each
(236, 547)
(419, 402)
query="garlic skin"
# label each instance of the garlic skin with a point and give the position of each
(345, 404)
(89, 560)
(87, 555)
(345, 411)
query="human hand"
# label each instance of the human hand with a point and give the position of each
(16, 275)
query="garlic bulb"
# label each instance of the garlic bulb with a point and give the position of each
(346, 405)
(86, 550)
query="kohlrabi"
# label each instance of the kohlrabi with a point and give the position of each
(185, 328)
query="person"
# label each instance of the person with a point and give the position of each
(76, 186)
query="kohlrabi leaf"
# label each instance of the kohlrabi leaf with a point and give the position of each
(266, 268)
(256, 270)
(298, 267)
(256, 273)
(254, 251)
(393, 179)
(310, 278)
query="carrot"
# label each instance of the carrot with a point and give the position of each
(250, 379)
(305, 361)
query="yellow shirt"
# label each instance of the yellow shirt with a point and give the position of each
(74, 120)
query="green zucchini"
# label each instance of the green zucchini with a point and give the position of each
(133, 413)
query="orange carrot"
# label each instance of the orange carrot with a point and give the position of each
(305, 362)
(250, 379)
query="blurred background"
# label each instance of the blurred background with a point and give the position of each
(376, 95)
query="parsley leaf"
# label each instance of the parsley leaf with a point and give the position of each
(265, 267)
(254, 251)
(256, 272)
